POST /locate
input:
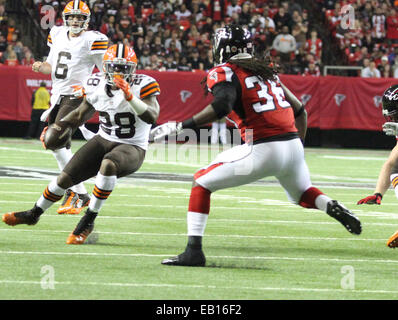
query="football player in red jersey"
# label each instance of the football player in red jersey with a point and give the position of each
(389, 171)
(249, 93)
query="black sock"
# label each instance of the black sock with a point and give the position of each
(36, 211)
(195, 242)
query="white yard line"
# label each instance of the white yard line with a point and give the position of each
(208, 235)
(193, 286)
(147, 255)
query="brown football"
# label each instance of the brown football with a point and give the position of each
(58, 135)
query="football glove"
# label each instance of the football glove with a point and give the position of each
(166, 129)
(373, 199)
(78, 92)
(42, 135)
(125, 87)
(390, 128)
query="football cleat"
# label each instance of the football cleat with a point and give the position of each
(83, 229)
(30, 217)
(344, 216)
(190, 257)
(70, 198)
(82, 201)
(392, 242)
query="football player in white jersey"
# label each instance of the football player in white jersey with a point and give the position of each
(127, 106)
(74, 52)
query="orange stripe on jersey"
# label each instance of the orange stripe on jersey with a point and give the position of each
(149, 89)
(150, 92)
(99, 45)
(49, 39)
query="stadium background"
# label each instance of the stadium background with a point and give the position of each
(171, 39)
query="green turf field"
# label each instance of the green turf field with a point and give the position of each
(258, 245)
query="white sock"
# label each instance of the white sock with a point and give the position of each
(321, 202)
(79, 188)
(62, 156)
(52, 194)
(196, 223)
(102, 189)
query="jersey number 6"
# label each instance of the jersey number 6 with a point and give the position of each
(61, 69)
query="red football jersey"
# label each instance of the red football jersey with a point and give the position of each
(261, 107)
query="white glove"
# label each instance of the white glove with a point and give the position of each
(166, 129)
(390, 128)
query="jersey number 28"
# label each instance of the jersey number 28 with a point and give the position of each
(124, 122)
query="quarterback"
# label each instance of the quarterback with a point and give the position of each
(249, 93)
(127, 106)
(74, 52)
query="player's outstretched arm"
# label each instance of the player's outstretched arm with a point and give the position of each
(43, 67)
(300, 114)
(224, 99)
(383, 181)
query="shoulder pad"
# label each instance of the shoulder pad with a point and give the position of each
(98, 42)
(219, 74)
(54, 32)
(148, 86)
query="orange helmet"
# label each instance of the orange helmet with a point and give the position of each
(79, 9)
(120, 61)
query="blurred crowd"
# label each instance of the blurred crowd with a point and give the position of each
(371, 39)
(175, 34)
(12, 51)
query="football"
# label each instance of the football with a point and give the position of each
(57, 136)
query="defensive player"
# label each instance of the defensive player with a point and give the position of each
(248, 92)
(74, 52)
(389, 171)
(126, 116)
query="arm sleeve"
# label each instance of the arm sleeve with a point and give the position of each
(224, 98)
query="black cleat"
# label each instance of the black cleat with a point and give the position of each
(344, 216)
(190, 257)
(29, 217)
(83, 228)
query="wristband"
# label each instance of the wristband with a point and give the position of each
(138, 105)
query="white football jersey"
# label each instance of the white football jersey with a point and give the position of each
(118, 121)
(73, 59)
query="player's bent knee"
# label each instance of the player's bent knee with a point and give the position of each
(64, 180)
(108, 168)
